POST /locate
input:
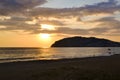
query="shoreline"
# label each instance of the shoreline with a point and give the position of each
(52, 60)
(100, 68)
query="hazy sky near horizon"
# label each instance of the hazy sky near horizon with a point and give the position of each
(38, 23)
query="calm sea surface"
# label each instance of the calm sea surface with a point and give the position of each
(27, 54)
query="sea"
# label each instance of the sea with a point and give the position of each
(30, 54)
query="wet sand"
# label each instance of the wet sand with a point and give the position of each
(96, 68)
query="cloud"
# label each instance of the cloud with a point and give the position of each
(104, 7)
(52, 22)
(62, 30)
(108, 26)
(31, 17)
(14, 6)
(109, 22)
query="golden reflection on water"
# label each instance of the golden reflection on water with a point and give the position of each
(46, 54)
(25, 54)
(60, 53)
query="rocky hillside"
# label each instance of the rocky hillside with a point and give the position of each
(85, 42)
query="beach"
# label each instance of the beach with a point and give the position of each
(93, 68)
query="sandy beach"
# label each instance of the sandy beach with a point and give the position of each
(96, 68)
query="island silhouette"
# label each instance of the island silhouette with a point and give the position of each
(79, 41)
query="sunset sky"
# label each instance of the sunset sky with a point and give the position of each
(39, 23)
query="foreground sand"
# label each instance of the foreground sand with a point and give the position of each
(99, 68)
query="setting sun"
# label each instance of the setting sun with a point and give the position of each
(45, 36)
(45, 40)
(47, 27)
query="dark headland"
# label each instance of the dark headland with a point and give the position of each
(85, 42)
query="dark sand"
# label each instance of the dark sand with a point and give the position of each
(99, 68)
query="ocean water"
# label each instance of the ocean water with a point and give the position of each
(27, 54)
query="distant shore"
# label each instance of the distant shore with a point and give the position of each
(94, 68)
